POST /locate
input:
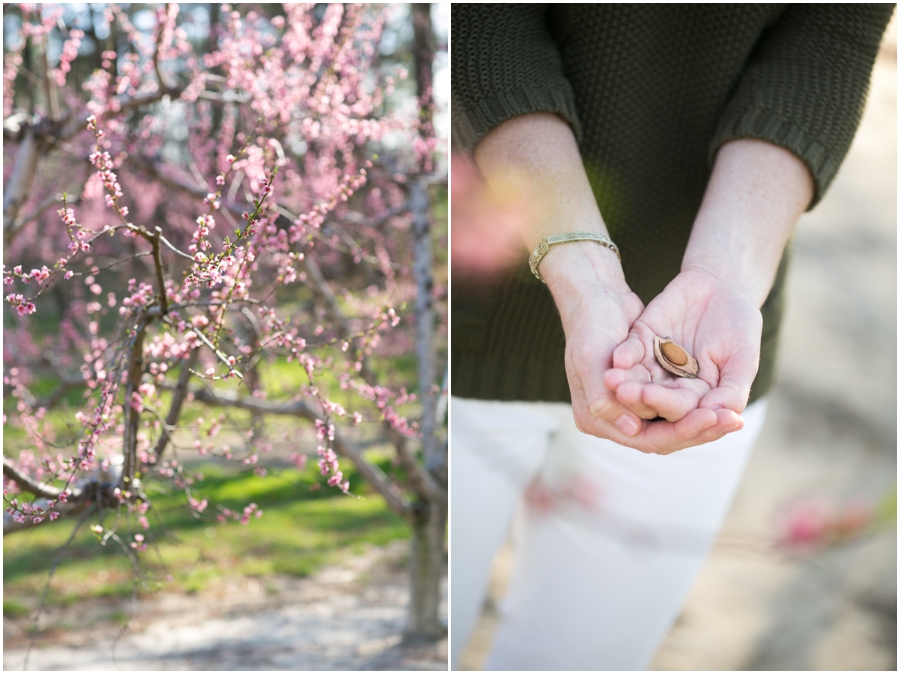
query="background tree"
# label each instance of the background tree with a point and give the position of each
(192, 193)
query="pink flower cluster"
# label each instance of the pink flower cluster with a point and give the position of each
(251, 510)
(104, 163)
(23, 306)
(328, 465)
(25, 512)
(69, 52)
(813, 523)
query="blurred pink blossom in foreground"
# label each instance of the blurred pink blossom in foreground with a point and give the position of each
(486, 228)
(814, 524)
(579, 490)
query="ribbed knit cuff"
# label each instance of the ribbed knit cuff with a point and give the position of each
(762, 125)
(474, 122)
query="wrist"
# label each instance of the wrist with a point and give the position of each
(755, 196)
(580, 268)
(740, 270)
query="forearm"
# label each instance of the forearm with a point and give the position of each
(534, 159)
(755, 196)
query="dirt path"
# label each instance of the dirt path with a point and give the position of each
(347, 617)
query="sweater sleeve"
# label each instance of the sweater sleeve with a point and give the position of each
(504, 64)
(805, 84)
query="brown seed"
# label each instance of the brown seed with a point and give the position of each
(674, 353)
(675, 358)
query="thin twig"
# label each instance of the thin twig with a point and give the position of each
(221, 356)
(370, 472)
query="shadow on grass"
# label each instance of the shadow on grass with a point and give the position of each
(304, 526)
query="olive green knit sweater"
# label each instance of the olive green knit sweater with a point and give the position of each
(651, 92)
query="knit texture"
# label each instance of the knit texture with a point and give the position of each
(651, 92)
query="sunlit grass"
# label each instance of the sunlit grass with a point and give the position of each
(304, 526)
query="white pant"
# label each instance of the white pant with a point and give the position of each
(607, 540)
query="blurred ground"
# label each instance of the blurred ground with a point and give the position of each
(347, 617)
(831, 433)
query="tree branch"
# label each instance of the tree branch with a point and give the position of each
(178, 398)
(163, 83)
(132, 415)
(370, 472)
(157, 263)
(27, 484)
(20, 180)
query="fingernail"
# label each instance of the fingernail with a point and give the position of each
(716, 407)
(627, 425)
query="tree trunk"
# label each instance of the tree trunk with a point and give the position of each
(429, 520)
(427, 564)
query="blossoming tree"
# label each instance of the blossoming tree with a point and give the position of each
(191, 193)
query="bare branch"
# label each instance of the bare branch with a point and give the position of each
(65, 385)
(132, 414)
(157, 263)
(41, 489)
(370, 472)
(152, 169)
(178, 398)
(49, 86)
(16, 191)
(221, 356)
(163, 83)
(120, 104)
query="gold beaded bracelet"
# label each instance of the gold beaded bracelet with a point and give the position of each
(543, 247)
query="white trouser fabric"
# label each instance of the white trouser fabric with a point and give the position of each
(607, 540)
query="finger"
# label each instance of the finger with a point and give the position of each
(630, 394)
(726, 422)
(672, 404)
(736, 375)
(609, 410)
(615, 377)
(629, 353)
(664, 437)
(592, 400)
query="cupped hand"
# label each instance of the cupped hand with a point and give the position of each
(602, 321)
(719, 324)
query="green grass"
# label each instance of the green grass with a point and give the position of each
(13, 609)
(302, 529)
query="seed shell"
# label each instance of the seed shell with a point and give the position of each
(675, 358)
